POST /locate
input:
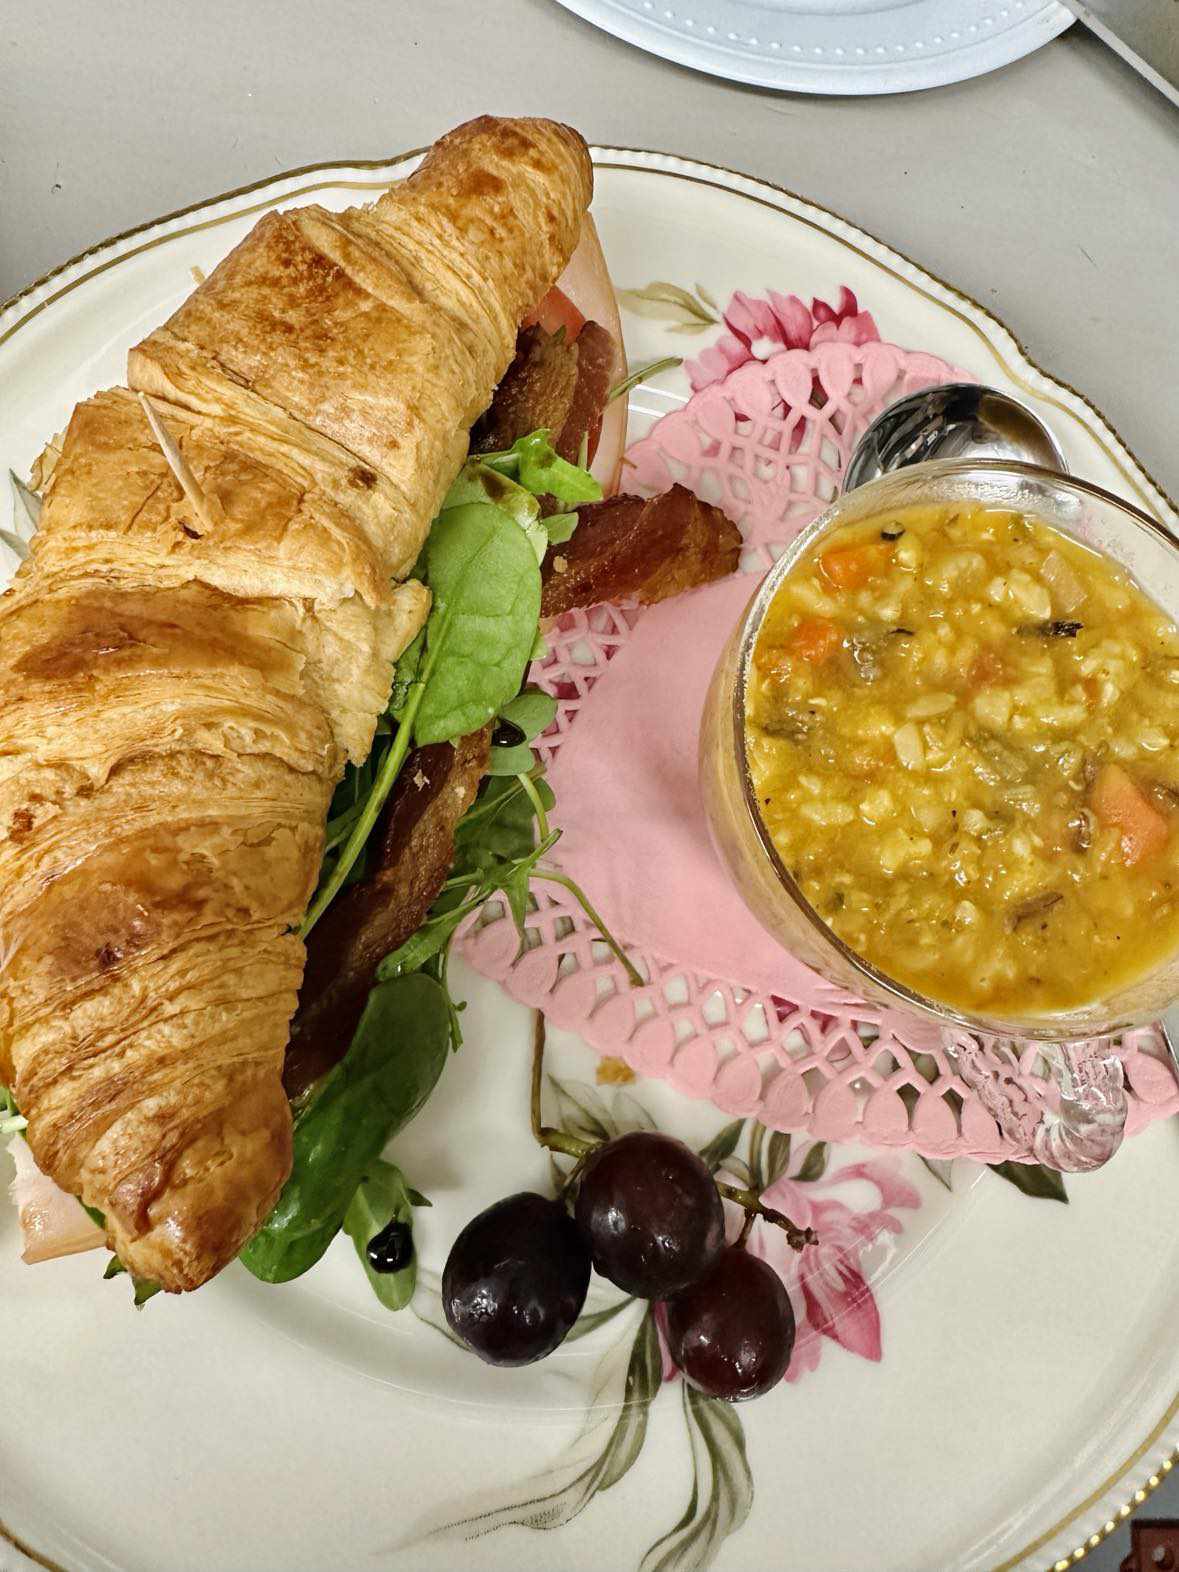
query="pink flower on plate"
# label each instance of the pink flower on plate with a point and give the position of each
(760, 326)
(826, 1283)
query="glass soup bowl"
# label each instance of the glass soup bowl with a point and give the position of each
(1086, 1127)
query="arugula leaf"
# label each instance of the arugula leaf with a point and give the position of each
(390, 1069)
(486, 585)
(381, 1196)
(537, 465)
(500, 823)
(428, 941)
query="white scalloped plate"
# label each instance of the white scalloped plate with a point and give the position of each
(833, 46)
(1027, 1389)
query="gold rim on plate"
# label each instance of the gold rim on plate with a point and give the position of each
(1152, 1482)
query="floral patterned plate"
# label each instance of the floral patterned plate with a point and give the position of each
(986, 1371)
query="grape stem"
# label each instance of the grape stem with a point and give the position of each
(797, 1238)
(573, 1146)
(552, 1140)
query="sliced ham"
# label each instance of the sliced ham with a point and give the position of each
(52, 1223)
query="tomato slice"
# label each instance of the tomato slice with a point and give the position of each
(555, 311)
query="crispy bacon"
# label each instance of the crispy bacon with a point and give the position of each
(412, 850)
(596, 355)
(554, 383)
(537, 390)
(646, 549)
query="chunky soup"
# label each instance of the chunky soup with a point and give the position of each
(964, 737)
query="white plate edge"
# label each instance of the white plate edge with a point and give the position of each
(1097, 1515)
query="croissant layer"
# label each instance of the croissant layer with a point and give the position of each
(182, 682)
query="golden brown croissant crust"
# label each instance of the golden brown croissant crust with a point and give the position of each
(180, 689)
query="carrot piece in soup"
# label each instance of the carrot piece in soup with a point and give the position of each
(1118, 801)
(814, 639)
(986, 669)
(851, 567)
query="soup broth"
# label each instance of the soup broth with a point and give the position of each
(963, 732)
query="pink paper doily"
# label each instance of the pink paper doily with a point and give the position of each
(767, 443)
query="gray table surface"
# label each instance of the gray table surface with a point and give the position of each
(1048, 190)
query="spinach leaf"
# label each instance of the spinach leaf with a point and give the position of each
(142, 1288)
(513, 760)
(537, 465)
(559, 527)
(486, 584)
(478, 482)
(406, 674)
(531, 711)
(381, 1196)
(389, 1071)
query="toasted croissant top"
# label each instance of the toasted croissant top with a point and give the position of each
(179, 689)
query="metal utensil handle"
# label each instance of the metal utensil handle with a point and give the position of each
(1077, 1129)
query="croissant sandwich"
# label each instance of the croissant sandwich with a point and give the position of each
(183, 677)
(283, 590)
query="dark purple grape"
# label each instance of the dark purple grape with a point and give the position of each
(651, 1213)
(732, 1332)
(515, 1279)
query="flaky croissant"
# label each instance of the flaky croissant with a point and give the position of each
(180, 686)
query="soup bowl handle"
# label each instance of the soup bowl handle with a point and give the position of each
(1078, 1125)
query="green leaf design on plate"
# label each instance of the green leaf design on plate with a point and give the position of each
(940, 1169)
(814, 1164)
(590, 1321)
(1043, 1184)
(664, 302)
(606, 1448)
(722, 1488)
(629, 1113)
(722, 1145)
(582, 1111)
(777, 1157)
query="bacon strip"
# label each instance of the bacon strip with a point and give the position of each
(537, 390)
(631, 548)
(596, 356)
(554, 384)
(411, 852)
